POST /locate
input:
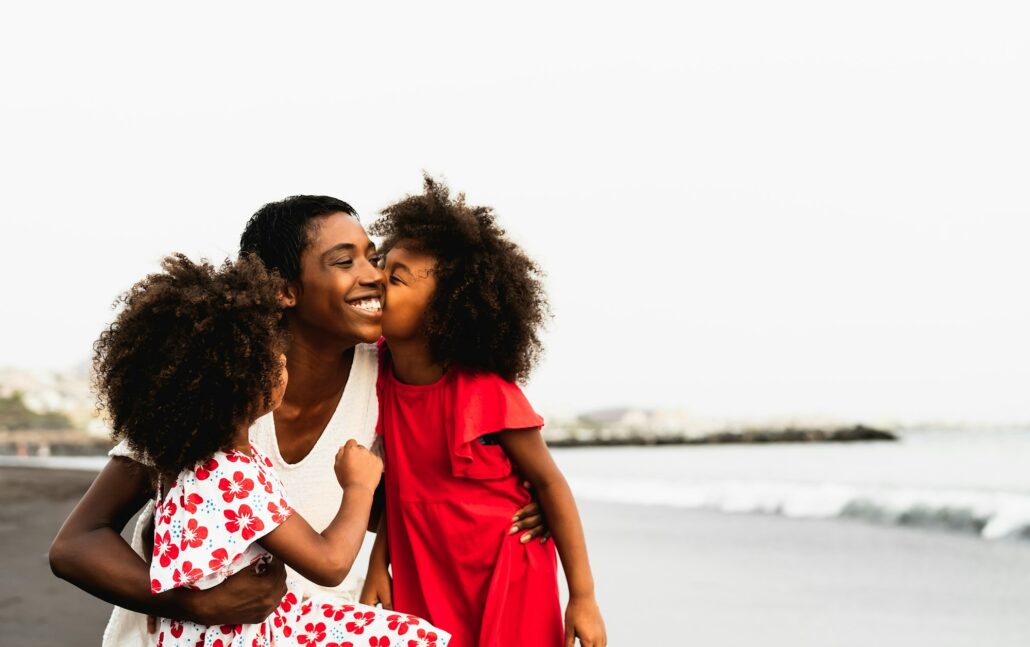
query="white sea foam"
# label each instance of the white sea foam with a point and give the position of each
(993, 515)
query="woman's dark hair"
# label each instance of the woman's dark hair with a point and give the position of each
(279, 232)
(489, 302)
(193, 354)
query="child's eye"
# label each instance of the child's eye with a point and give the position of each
(394, 279)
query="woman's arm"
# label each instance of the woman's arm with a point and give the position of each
(90, 552)
(325, 558)
(527, 449)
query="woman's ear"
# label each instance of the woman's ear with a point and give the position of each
(289, 294)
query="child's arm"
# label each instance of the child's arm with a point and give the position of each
(582, 617)
(378, 587)
(326, 558)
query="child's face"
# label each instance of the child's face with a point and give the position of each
(341, 287)
(410, 284)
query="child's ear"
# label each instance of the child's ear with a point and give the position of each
(288, 295)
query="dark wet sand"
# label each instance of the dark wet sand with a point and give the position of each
(726, 580)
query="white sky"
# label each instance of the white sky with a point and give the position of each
(744, 208)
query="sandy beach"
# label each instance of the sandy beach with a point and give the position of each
(730, 579)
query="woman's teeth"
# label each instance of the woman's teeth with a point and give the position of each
(369, 305)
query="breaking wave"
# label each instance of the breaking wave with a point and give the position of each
(991, 515)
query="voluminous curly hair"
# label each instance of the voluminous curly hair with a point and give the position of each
(193, 354)
(489, 303)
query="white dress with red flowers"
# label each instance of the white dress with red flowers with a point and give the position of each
(206, 528)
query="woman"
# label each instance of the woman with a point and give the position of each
(333, 299)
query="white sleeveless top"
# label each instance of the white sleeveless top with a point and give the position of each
(310, 482)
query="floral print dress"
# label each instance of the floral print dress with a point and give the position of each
(206, 528)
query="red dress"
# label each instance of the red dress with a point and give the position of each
(450, 498)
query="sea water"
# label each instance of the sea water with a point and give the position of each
(974, 481)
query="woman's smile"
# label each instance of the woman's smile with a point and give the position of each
(367, 306)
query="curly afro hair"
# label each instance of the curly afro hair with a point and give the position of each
(490, 302)
(194, 353)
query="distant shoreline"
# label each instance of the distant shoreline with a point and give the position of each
(69, 443)
(730, 437)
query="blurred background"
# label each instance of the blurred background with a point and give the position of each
(784, 242)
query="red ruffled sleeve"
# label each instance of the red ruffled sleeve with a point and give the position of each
(485, 403)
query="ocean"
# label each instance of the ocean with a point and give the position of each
(966, 481)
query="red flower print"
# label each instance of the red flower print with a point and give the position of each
(165, 549)
(190, 503)
(382, 641)
(346, 644)
(400, 623)
(425, 639)
(281, 512)
(265, 483)
(267, 461)
(238, 488)
(204, 471)
(288, 601)
(262, 639)
(188, 576)
(279, 620)
(336, 612)
(219, 559)
(313, 634)
(176, 629)
(155, 586)
(306, 609)
(167, 510)
(193, 535)
(236, 455)
(243, 521)
(361, 620)
(231, 629)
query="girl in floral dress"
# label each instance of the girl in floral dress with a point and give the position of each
(463, 306)
(194, 357)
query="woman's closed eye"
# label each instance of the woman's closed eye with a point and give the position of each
(343, 262)
(379, 260)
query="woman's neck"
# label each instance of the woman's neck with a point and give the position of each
(318, 370)
(413, 363)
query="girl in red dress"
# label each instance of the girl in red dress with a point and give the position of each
(460, 320)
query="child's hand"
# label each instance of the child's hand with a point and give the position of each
(356, 466)
(378, 587)
(583, 621)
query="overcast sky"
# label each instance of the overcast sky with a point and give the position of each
(744, 208)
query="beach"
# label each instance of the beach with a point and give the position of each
(728, 579)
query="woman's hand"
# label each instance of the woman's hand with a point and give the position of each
(583, 620)
(247, 597)
(530, 519)
(378, 587)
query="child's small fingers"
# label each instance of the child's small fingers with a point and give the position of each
(570, 637)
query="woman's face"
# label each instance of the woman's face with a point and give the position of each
(341, 285)
(409, 288)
